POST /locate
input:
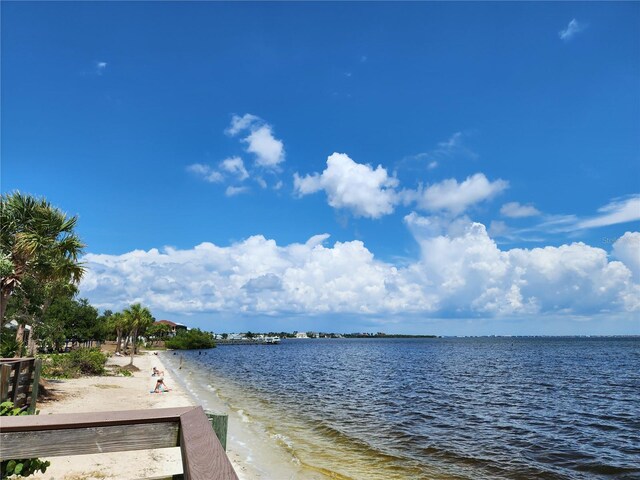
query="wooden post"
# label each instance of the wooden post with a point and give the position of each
(35, 385)
(5, 373)
(219, 423)
(17, 370)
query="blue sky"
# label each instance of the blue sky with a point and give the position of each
(450, 168)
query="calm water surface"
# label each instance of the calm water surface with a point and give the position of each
(480, 408)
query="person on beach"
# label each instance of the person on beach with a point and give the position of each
(161, 387)
(157, 373)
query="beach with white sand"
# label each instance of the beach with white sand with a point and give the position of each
(250, 456)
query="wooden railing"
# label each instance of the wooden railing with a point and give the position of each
(19, 379)
(203, 457)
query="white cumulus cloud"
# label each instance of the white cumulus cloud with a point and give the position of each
(268, 150)
(357, 187)
(627, 250)
(235, 166)
(461, 272)
(454, 197)
(469, 273)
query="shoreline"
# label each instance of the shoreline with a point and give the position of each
(263, 454)
(113, 393)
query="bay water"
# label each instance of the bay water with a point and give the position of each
(441, 408)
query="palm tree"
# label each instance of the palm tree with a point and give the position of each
(37, 240)
(140, 318)
(117, 323)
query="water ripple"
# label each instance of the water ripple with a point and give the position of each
(445, 408)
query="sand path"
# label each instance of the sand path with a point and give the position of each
(97, 394)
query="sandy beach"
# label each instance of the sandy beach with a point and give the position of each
(106, 393)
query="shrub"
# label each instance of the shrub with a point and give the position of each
(22, 467)
(9, 346)
(193, 339)
(84, 361)
(90, 361)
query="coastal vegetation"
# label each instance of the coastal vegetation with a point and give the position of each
(193, 339)
(83, 361)
(40, 270)
(157, 333)
(39, 252)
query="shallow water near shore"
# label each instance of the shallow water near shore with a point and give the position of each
(477, 408)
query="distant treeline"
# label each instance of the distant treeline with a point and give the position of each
(360, 335)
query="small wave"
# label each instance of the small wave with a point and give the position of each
(243, 416)
(283, 440)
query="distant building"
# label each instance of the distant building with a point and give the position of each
(175, 327)
(301, 335)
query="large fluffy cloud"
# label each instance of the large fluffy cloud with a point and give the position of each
(627, 250)
(359, 188)
(461, 272)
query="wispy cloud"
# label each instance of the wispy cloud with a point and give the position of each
(205, 172)
(621, 210)
(451, 148)
(618, 211)
(235, 166)
(571, 30)
(101, 67)
(516, 210)
(232, 191)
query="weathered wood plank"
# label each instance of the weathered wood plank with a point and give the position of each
(219, 423)
(36, 385)
(203, 457)
(56, 443)
(92, 419)
(5, 374)
(14, 381)
(73, 434)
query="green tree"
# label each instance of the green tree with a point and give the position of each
(191, 340)
(139, 319)
(69, 319)
(158, 332)
(37, 241)
(117, 323)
